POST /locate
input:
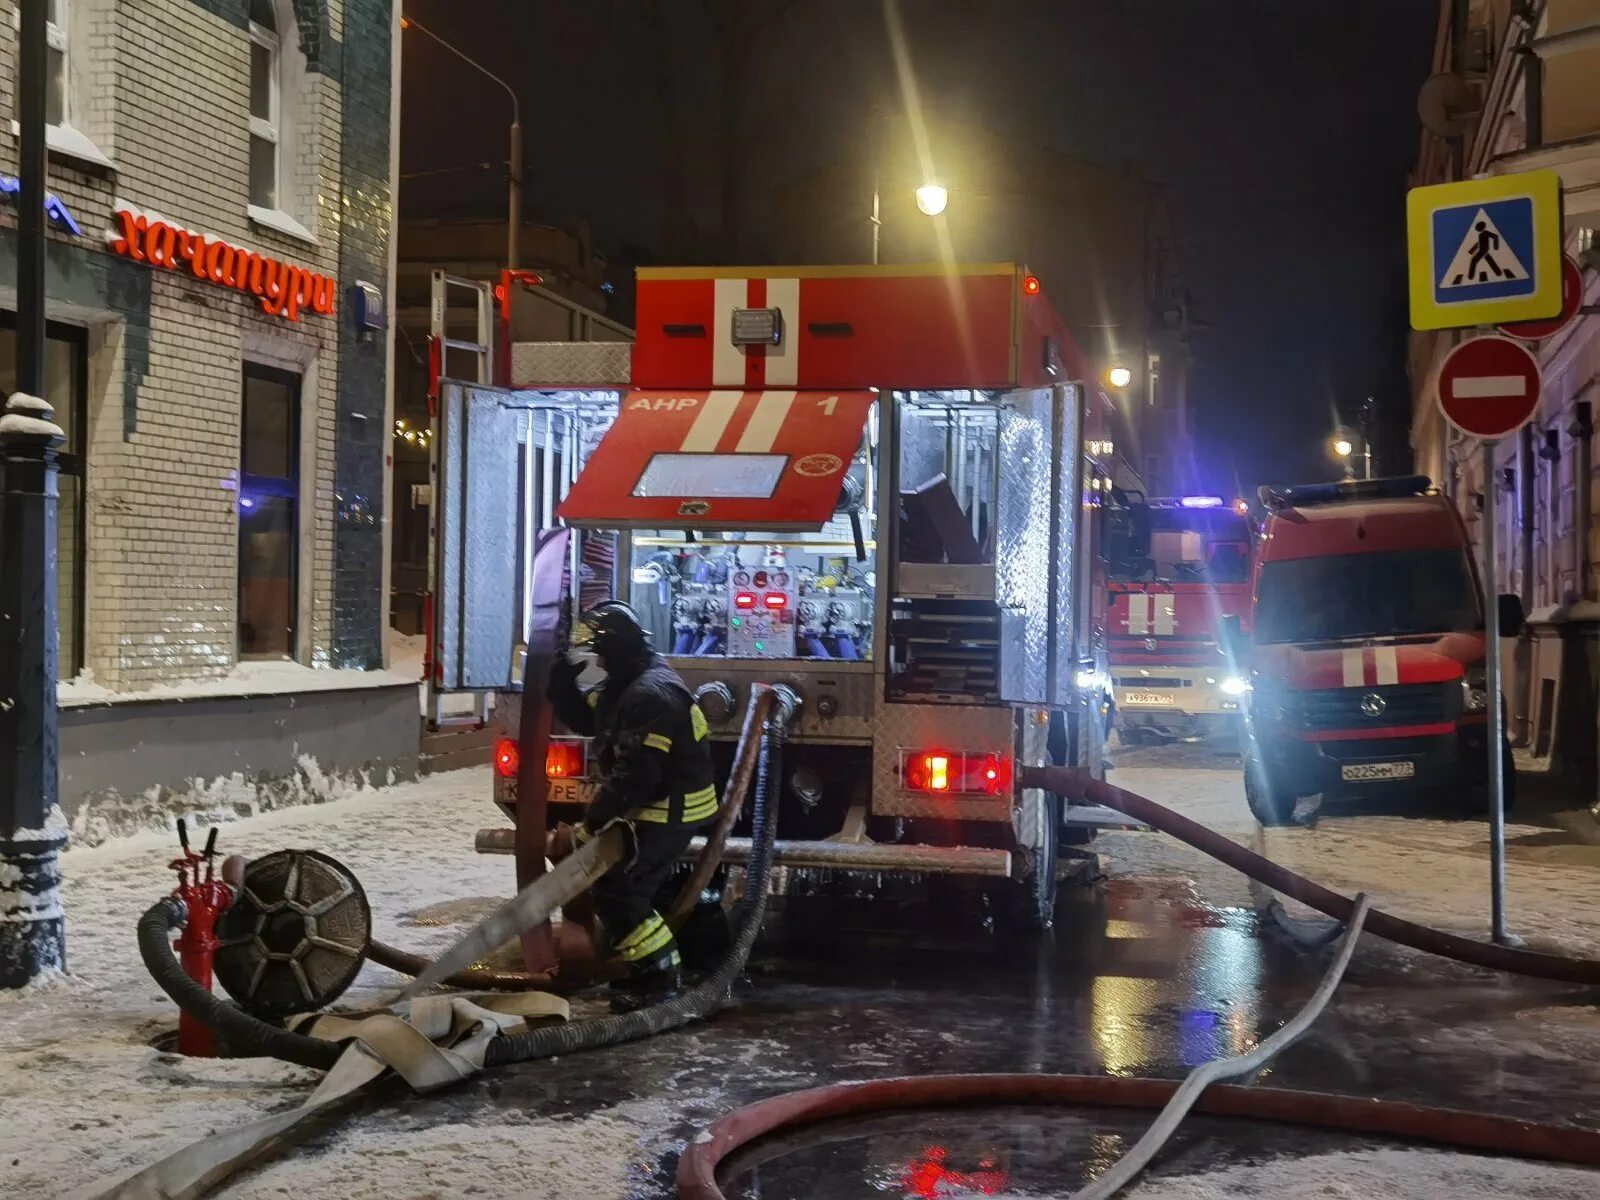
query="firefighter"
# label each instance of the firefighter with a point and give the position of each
(655, 765)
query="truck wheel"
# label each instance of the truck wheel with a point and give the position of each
(1269, 805)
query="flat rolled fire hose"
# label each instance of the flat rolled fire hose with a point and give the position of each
(746, 755)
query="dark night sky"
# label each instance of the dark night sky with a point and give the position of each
(1282, 129)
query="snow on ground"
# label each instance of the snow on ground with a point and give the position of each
(245, 679)
(1426, 869)
(1373, 1174)
(86, 1099)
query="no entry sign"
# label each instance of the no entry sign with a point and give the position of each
(1489, 387)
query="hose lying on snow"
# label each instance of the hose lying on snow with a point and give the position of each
(697, 1169)
(1077, 784)
(480, 978)
(243, 1035)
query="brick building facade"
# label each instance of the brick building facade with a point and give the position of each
(224, 172)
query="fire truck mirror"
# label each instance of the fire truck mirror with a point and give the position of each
(1512, 618)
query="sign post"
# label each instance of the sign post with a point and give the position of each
(1489, 388)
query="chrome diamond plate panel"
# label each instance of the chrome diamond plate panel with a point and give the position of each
(1023, 546)
(929, 726)
(556, 364)
(476, 601)
(1070, 505)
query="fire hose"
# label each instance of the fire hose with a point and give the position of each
(779, 1115)
(478, 977)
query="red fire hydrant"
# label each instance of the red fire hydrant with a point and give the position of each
(206, 900)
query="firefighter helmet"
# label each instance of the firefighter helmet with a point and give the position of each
(613, 631)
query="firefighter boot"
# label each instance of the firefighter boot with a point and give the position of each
(648, 982)
(655, 969)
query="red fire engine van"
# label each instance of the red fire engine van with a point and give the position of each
(1176, 568)
(1366, 650)
(874, 485)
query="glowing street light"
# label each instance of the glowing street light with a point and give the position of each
(931, 199)
(1343, 447)
(1119, 377)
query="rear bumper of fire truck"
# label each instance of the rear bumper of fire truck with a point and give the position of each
(1437, 762)
(1177, 701)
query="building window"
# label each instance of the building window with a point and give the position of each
(1153, 370)
(266, 79)
(66, 390)
(55, 86)
(269, 513)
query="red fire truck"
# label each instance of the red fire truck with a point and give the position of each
(871, 484)
(1177, 567)
(1366, 650)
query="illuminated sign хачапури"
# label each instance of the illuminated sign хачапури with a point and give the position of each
(283, 290)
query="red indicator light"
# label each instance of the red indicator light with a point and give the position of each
(744, 600)
(1031, 285)
(996, 774)
(507, 758)
(563, 760)
(775, 600)
(761, 579)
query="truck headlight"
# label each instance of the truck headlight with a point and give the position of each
(1234, 685)
(1088, 680)
(1474, 690)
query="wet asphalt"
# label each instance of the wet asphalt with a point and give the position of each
(1136, 978)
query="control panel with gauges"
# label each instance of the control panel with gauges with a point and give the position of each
(762, 612)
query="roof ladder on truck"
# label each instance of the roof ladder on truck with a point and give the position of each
(445, 355)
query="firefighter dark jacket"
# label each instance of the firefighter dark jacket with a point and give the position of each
(649, 741)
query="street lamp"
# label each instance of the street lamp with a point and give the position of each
(514, 198)
(1119, 377)
(1343, 447)
(931, 199)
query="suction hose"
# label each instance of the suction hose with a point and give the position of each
(243, 1035)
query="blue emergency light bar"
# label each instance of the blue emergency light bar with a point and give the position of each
(1303, 494)
(1201, 502)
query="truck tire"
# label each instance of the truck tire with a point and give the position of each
(1270, 806)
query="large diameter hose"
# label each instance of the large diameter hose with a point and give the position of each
(697, 1001)
(1077, 784)
(697, 1168)
(241, 1035)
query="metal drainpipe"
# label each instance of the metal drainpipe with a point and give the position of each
(1524, 656)
(1582, 428)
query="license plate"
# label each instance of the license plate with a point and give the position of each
(1165, 698)
(1357, 772)
(571, 791)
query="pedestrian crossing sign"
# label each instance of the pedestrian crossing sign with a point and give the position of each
(1485, 251)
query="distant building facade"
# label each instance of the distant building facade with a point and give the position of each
(1100, 240)
(1531, 72)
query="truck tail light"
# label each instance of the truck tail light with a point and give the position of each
(945, 772)
(564, 760)
(507, 758)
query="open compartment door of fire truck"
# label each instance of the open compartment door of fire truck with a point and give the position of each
(506, 460)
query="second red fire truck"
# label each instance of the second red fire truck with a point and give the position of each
(1177, 568)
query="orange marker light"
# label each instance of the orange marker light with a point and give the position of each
(1031, 285)
(507, 758)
